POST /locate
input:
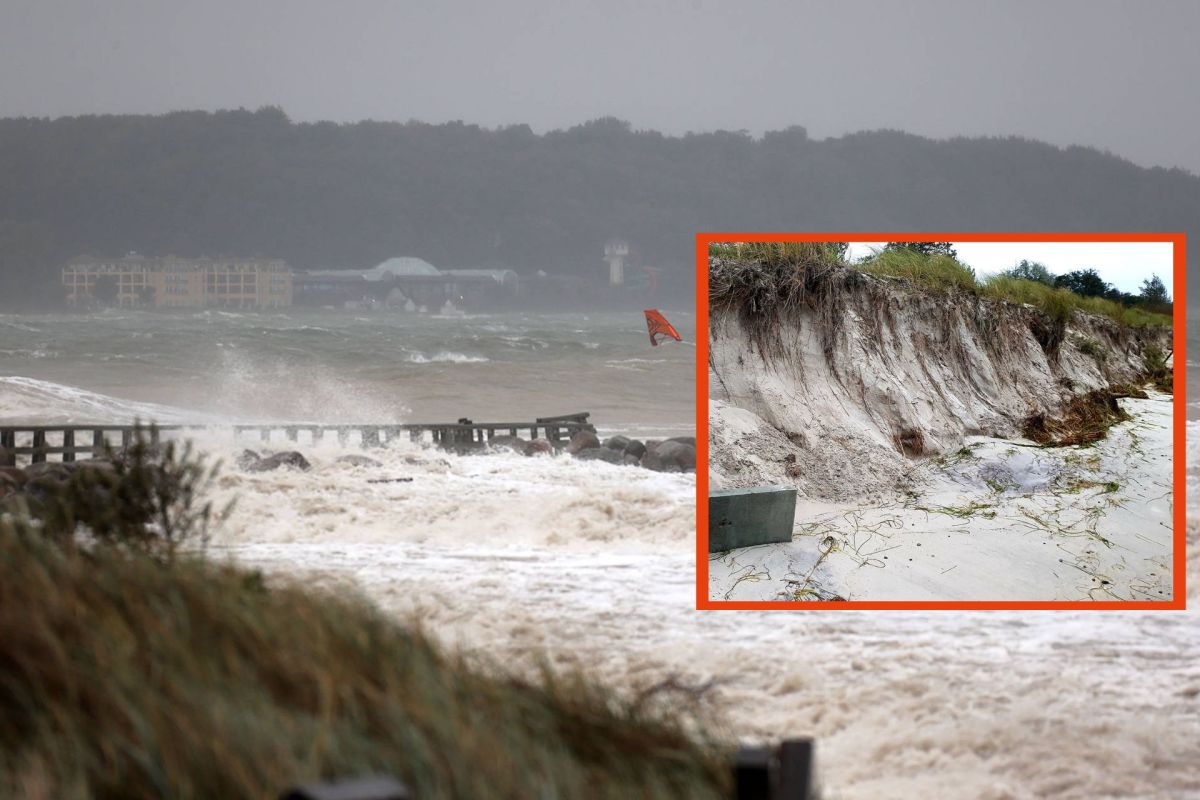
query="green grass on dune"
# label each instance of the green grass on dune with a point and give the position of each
(935, 272)
(747, 276)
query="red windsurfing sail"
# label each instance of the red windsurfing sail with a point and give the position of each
(657, 324)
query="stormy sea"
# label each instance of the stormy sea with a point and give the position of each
(590, 565)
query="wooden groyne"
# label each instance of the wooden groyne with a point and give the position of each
(76, 441)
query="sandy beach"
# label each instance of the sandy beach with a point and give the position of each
(997, 519)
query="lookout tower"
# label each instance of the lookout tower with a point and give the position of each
(615, 253)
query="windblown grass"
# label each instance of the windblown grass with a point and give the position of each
(130, 671)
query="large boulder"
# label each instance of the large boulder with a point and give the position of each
(684, 440)
(55, 468)
(101, 464)
(513, 443)
(288, 458)
(635, 449)
(44, 486)
(618, 443)
(671, 456)
(583, 440)
(539, 447)
(357, 460)
(247, 459)
(601, 454)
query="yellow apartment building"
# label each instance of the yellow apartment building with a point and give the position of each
(136, 281)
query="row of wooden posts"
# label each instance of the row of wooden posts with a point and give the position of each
(89, 440)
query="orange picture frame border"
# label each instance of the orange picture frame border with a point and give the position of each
(1179, 422)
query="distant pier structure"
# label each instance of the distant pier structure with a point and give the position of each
(615, 253)
(73, 441)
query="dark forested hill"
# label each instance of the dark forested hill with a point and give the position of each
(324, 194)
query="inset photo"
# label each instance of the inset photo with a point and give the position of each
(941, 420)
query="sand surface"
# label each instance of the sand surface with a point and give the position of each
(996, 520)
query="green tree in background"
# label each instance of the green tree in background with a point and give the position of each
(925, 248)
(1087, 283)
(1154, 291)
(1031, 271)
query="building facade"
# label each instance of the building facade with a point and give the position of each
(407, 283)
(136, 281)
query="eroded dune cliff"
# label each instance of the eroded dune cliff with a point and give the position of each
(838, 390)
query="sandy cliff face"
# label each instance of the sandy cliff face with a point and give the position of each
(849, 388)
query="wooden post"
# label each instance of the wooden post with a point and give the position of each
(68, 445)
(8, 440)
(126, 438)
(97, 442)
(292, 433)
(265, 434)
(370, 436)
(318, 434)
(343, 436)
(39, 444)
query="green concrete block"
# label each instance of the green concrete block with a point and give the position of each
(748, 517)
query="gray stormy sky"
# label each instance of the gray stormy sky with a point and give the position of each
(1109, 73)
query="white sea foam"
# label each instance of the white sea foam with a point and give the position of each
(445, 357)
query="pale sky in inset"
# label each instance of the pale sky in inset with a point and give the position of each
(1114, 74)
(1123, 264)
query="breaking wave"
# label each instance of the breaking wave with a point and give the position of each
(46, 402)
(445, 357)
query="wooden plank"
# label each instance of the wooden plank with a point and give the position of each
(68, 446)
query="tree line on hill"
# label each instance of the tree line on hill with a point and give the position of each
(255, 183)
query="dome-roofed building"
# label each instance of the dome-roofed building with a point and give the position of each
(401, 279)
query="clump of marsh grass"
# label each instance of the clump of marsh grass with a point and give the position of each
(127, 675)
